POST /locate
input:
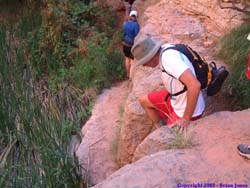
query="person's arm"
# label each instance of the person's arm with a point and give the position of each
(193, 90)
(124, 28)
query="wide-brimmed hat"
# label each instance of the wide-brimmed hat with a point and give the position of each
(145, 49)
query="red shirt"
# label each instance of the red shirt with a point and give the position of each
(248, 67)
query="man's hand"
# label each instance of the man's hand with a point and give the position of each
(182, 124)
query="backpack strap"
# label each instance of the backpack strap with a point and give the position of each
(171, 95)
(201, 67)
(176, 94)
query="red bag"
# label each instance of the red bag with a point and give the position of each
(248, 66)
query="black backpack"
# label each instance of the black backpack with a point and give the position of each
(204, 71)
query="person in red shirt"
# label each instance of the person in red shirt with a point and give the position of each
(244, 149)
(248, 67)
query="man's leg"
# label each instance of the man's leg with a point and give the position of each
(152, 113)
(131, 70)
(127, 65)
(157, 108)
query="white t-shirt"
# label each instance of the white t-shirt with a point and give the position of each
(176, 63)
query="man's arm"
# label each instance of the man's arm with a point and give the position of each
(193, 90)
(137, 28)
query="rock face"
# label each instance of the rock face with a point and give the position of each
(212, 159)
(136, 125)
(158, 140)
(192, 22)
(97, 150)
(199, 23)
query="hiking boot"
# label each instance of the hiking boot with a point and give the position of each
(244, 150)
(161, 123)
(220, 76)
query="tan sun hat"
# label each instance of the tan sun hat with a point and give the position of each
(145, 49)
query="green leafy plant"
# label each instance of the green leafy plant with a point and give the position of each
(233, 50)
(77, 44)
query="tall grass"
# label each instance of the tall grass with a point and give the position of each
(33, 142)
(180, 140)
(48, 80)
(233, 50)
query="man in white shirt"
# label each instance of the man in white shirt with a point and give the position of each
(178, 72)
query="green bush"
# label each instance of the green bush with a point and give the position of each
(233, 50)
(76, 44)
(99, 68)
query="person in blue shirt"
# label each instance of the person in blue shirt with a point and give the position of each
(130, 30)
